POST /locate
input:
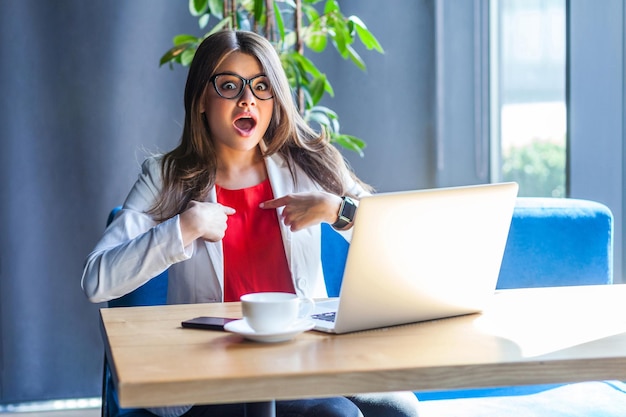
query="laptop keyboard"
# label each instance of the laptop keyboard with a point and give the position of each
(330, 316)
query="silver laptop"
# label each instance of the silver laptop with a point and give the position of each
(421, 255)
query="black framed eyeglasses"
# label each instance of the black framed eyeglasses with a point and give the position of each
(231, 86)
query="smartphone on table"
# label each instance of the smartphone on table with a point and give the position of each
(207, 323)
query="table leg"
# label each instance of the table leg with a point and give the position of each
(261, 409)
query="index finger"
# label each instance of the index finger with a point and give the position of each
(228, 210)
(275, 203)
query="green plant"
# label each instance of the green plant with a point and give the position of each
(538, 168)
(291, 26)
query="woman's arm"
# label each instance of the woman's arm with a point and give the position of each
(134, 248)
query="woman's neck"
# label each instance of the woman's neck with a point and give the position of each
(236, 170)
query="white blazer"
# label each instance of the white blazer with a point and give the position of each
(134, 248)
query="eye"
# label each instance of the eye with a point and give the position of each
(229, 85)
(261, 86)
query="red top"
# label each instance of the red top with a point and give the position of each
(254, 255)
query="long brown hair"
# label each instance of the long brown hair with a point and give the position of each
(189, 169)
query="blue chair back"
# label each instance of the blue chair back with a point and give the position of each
(153, 292)
(334, 253)
(558, 242)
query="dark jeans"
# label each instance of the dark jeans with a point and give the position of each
(319, 407)
(393, 404)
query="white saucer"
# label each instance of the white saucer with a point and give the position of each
(241, 328)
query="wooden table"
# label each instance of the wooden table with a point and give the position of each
(526, 336)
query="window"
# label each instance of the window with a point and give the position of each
(528, 110)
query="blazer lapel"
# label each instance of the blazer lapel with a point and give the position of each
(297, 245)
(282, 184)
(216, 250)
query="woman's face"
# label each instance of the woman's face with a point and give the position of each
(239, 123)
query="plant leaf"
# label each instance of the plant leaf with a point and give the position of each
(329, 88)
(204, 20)
(331, 6)
(349, 142)
(198, 7)
(306, 64)
(315, 38)
(259, 10)
(181, 39)
(310, 12)
(356, 58)
(366, 37)
(279, 21)
(175, 52)
(317, 88)
(317, 117)
(324, 117)
(289, 41)
(187, 56)
(217, 8)
(295, 73)
(329, 115)
(341, 37)
(224, 22)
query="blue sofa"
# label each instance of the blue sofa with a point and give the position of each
(552, 242)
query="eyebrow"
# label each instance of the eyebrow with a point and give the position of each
(239, 75)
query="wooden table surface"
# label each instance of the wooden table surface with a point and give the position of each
(526, 336)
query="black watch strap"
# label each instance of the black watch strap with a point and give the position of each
(346, 213)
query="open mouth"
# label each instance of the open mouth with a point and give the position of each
(245, 124)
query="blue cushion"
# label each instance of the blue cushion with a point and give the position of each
(583, 399)
(485, 392)
(556, 242)
(153, 292)
(334, 252)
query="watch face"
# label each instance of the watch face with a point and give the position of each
(348, 208)
(346, 213)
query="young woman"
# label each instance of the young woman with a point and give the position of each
(237, 206)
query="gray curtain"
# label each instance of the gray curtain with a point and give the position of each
(83, 101)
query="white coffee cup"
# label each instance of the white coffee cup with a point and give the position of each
(271, 312)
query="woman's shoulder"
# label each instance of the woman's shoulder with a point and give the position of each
(151, 172)
(151, 166)
(152, 162)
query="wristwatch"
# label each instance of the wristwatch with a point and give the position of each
(346, 213)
